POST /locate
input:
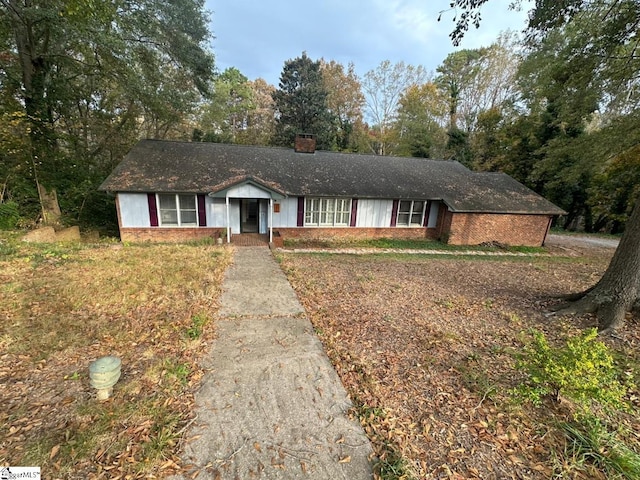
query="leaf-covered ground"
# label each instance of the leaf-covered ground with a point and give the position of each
(425, 346)
(62, 307)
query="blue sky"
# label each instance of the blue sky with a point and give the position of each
(257, 37)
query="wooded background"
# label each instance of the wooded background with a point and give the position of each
(81, 81)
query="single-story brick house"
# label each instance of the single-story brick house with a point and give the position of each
(171, 191)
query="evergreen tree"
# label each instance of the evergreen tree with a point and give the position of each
(301, 104)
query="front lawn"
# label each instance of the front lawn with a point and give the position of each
(63, 306)
(426, 347)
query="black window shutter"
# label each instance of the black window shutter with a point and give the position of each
(394, 212)
(153, 209)
(202, 212)
(354, 212)
(300, 211)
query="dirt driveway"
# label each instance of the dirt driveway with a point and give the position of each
(580, 242)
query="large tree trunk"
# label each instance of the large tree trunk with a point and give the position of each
(618, 291)
(32, 42)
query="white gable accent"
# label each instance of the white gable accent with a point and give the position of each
(247, 190)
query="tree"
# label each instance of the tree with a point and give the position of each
(603, 53)
(421, 116)
(301, 104)
(344, 100)
(74, 65)
(383, 88)
(261, 120)
(225, 116)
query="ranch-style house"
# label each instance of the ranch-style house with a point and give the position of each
(177, 191)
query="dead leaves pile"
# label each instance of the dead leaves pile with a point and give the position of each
(426, 349)
(59, 311)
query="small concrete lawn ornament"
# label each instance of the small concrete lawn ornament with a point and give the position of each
(104, 373)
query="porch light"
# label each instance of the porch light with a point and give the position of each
(103, 375)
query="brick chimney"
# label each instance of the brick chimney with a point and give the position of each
(305, 143)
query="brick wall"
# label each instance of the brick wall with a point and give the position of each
(458, 228)
(346, 233)
(508, 229)
(157, 234)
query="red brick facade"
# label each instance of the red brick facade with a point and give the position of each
(164, 234)
(508, 229)
(346, 233)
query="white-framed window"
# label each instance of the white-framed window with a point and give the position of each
(327, 212)
(177, 210)
(411, 213)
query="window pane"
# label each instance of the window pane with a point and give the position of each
(403, 219)
(405, 206)
(343, 218)
(187, 217)
(308, 204)
(416, 219)
(167, 201)
(168, 217)
(187, 202)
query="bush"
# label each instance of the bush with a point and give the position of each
(9, 216)
(583, 370)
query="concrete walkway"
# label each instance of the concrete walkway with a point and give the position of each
(271, 405)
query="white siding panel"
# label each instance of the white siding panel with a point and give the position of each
(134, 209)
(216, 212)
(288, 215)
(247, 191)
(374, 213)
(234, 215)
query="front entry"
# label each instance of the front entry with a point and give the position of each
(249, 215)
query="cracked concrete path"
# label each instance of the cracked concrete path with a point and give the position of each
(271, 405)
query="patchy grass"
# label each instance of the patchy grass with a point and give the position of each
(402, 244)
(63, 306)
(427, 349)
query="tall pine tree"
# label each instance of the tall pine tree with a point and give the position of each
(301, 104)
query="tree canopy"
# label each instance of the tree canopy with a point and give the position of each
(301, 104)
(88, 78)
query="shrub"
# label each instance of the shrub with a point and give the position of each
(583, 370)
(9, 215)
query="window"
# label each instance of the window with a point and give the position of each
(411, 213)
(327, 212)
(177, 210)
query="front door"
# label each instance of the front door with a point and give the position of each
(249, 215)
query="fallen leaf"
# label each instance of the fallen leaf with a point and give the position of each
(54, 452)
(346, 459)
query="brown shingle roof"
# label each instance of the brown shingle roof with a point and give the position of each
(167, 166)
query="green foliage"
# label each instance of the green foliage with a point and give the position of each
(301, 104)
(589, 441)
(197, 323)
(9, 215)
(88, 80)
(583, 370)
(226, 115)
